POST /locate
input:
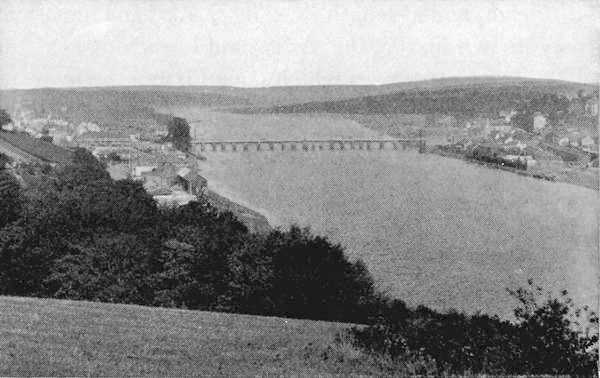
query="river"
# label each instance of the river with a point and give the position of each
(432, 230)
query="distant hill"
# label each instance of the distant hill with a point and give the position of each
(295, 94)
(479, 95)
(132, 105)
(108, 107)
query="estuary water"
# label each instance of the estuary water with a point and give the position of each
(432, 230)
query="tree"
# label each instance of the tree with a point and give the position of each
(23, 262)
(10, 198)
(179, 133)
(4, 118)
(554, 336)
(108, 268)
(4, 159)
(83, 170)
(312, 278)
(199, 243)
(523, 120)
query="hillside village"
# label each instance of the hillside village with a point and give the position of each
(171, 176)
(561, 149)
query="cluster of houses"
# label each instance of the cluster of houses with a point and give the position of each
(568, 141)
(49, 128)
(171, 185)
(171, 176)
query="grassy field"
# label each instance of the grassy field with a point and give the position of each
(43, 337)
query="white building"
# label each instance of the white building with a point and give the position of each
(564, 141)
(139, 170)
(9, 127)
(587, 143)
(539, 121)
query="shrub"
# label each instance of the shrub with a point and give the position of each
(10, 198)
(107, 268)
(555, 337)
(543, 339)
(305, 276)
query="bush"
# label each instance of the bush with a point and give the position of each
(10, 198)
(296, 274)
(554, 336)
(107, 268)
(541, 341)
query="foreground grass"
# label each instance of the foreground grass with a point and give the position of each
(71, 338)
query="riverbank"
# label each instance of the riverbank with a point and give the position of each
(587, 178)
(255, 221)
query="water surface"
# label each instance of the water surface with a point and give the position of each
(432, 230)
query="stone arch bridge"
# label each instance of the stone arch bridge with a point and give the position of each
(307, 145)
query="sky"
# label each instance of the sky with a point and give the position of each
(68, 43)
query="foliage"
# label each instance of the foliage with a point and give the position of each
(82, 233)
(46, 138)
(111, 267)
(541, 341)
(179, 133)
(550, 105)
(295, 274)
(22, 262)
(313, 279)
(555, 337)
(4, 159)
(113, 156)
(10, 198)
(85, 169)
(4, 118)
(461, 101)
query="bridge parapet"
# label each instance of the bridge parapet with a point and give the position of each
(306, 144)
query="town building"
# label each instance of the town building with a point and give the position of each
(539, 121)
(564, 141)
(140, 170)
(507, 115)
(589, 144)
(191, 181)
(591, 106)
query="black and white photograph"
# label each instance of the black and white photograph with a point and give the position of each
(299, 188)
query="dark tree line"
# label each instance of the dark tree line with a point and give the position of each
(75, 233)
(463, 102)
